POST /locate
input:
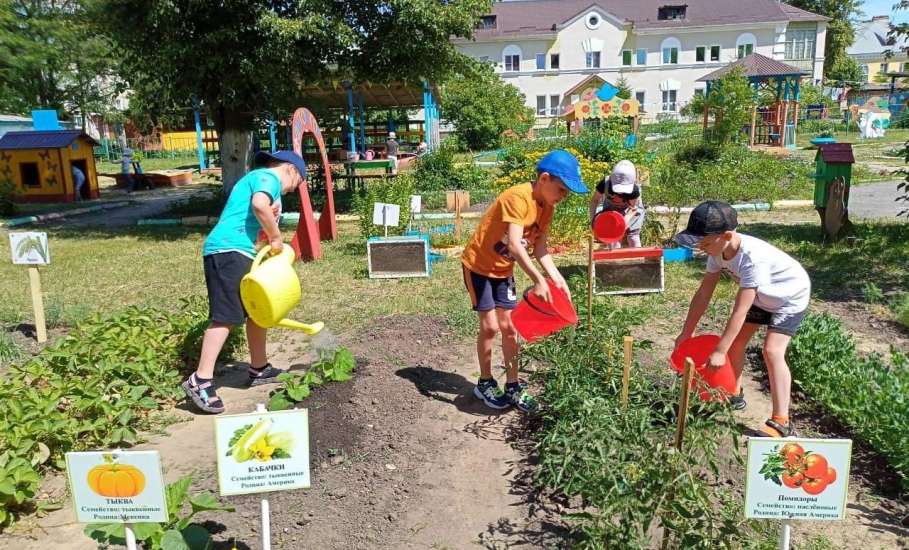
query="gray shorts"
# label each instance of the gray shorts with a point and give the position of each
(784, 323)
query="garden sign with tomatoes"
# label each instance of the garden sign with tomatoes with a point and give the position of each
(117, 486)
(797, 478)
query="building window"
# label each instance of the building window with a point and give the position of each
(744, 44)
(885, 68)
(541, 105)
(554, 106)
(864, 69)
(669, 13)
(641, 55)
(593, 21)
(904, 67)
(714, 53)
(28, 171)
(700, 54)
(487, 22)
(699, 92)
(626, 58)
(640, 95)
(800, 44)
(553, 61)
(541, 62)
(669, 101)
(511, 57)
(593, 60)
(670, 48)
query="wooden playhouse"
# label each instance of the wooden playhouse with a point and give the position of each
(39, 164)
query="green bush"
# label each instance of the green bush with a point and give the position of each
(864, 393)
(438, 172)
(94, 388)
(900, 307)
(7, 196)
(396, 190)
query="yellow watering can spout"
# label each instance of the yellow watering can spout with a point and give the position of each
(271, 289)
(312, 329)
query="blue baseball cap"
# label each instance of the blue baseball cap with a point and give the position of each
(263, 157)
(563, 165)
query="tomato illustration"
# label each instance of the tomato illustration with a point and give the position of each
(793, 480)
(815, 466)
(791, 448)
(831, 476)
(814, 486)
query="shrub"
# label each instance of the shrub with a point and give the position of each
(864, 393)
(900, 307)
(396, 190)
(7, 197)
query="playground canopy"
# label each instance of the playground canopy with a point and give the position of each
(598, 105)
(778, 123)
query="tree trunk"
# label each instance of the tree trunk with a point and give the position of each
(235, 145)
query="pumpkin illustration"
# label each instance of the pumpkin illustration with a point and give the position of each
(116, 480)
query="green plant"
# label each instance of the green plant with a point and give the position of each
(900, 307)
(872, 293)
(332, 366)
(9, 351)
(437, 172)
(180, 533)
(7, 199)
(732, 99)
(865, 393)
(395, 190)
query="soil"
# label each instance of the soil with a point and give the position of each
(403, 456)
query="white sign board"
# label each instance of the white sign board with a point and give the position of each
(385, 214)
(29, 248)
(262, 452)
(797, 478)
(416, 204)
(117, 486)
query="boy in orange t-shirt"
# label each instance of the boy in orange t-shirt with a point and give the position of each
(519, 218)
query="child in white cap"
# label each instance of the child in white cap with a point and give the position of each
(621, 193)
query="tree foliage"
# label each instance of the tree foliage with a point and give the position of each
(482, 106)
(50, 57)
(245, 58)
(840, 35)
(732, 99)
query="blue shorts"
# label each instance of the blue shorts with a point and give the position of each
(488, 293)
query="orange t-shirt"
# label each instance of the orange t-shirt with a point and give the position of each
(487, 252)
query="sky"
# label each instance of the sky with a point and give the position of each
(884, 7)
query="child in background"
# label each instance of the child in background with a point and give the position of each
(254, 204)
(774, 291)
(621, 193)
(518, 219)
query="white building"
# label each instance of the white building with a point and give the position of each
(546, 48)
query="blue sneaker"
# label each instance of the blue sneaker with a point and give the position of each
(516, 393)
(489, 392)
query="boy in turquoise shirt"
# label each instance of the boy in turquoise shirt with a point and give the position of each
(254, 204)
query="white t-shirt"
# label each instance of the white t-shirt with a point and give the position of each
(782, 284)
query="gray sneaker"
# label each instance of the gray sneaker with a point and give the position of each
(738, 401)
(489, 392)
(266, 375)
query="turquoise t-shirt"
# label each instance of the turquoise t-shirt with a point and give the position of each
(237, 228)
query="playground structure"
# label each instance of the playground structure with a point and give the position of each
(774, 125)
(832, 182)
(599, 105)
(39, 164)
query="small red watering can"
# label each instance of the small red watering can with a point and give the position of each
(609, 227)
(699, 349)
(535, 319)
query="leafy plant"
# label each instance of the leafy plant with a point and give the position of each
(7, 199)
(872, 293)
(900, 307)
(180, 533)
(332, 366)
(865, 393)
(395, 190)
(9, 351)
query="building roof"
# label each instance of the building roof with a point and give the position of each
(755, 66)
(836, 153)
(872, 38)
(50, 139)
(593, 80)
(544, 17)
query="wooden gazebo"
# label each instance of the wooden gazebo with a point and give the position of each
(775, 125)
(600, 105)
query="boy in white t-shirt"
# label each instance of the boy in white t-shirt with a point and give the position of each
(774, 291)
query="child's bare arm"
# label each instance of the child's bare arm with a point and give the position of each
(519, 253)
(699, 303)
(262, 209)
(743, 301)
(595, 199)
(541, 252)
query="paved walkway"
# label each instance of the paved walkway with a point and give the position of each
(876, 201)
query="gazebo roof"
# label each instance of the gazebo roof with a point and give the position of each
(390, 95)
(836, 153)
(756, 66)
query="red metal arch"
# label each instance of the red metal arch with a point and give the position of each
(306, 239)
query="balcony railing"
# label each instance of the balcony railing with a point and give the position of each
(806, 65)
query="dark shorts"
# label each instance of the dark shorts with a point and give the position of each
(223, 272)
(487, 293)
(784, 323)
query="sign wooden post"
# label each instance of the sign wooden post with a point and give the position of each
(130, 536)
(683, 403)
(266, 513)
(34, 279)
(458, 220)
(589, 282)
(626, 372)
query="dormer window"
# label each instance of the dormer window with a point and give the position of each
(668, 13)
(487, 22)
(593, 21)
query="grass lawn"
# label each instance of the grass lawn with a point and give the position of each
(152, 164)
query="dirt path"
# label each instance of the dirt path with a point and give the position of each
(402, 456)
(145, 205)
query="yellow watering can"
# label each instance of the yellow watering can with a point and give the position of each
(271, 289)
